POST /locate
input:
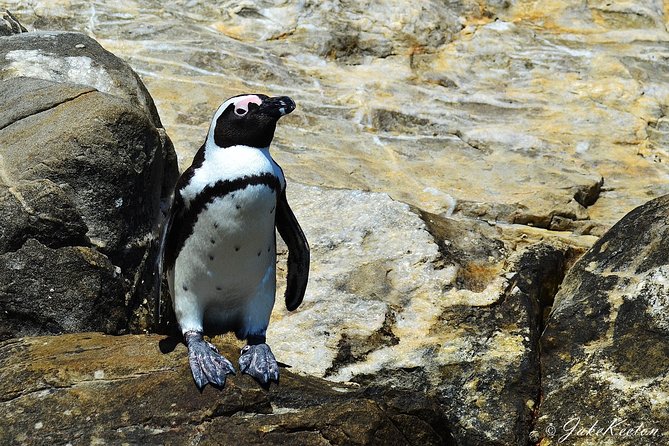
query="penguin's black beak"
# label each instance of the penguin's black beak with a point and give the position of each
(277, 107)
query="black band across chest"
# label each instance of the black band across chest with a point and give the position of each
(185, 217)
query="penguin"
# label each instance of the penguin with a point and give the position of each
(219, 241)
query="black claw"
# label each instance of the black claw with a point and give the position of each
(259, 362)
(206, 364)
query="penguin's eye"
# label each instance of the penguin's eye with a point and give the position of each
(240, 111)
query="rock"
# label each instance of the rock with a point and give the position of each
(50, 291)
(497, 110)
(61, 152)
(39, 210)
(91, 388)
(605, 349)
(409, 300)
(83, 135)
(67, 57)
(75, 145)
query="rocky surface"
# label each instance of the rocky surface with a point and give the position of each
(78, 142)
(70, 57)
(516, 132)
(10, 25)
(549, 114)
(94, 389)
(51, 291)
(409, 300)
(606, 346)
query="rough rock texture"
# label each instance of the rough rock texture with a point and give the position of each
(97, 148)
(74, 58)
(83, 162)
(605, 350)
(549, 113)
(409, 300)
(41, 210)
(69, 289)
(10, 25)
(93, 389)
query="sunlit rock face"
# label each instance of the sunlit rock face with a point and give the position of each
(548, 114)
(403, 299)
(605, 347)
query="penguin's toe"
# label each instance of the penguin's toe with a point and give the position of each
(207, 365)
(259, 362)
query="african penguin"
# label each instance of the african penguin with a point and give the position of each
(219, 244)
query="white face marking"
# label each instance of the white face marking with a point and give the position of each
(241, 107)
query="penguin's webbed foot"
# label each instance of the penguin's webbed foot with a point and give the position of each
(259, 362)
(206, 363)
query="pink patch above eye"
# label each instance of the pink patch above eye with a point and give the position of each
(243, 103)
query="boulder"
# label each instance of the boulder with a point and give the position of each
(104, 153)
(84, 162)
(89, 388)
(605, 349)
(70, 57)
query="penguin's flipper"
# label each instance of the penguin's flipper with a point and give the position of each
(298, 253)
(169, 237)
(164, 227)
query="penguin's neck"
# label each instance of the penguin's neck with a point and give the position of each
(214, 152)
(236, 161)
(230, 163)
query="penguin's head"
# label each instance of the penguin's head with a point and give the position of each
(248, 120)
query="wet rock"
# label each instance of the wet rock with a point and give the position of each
(91, 388)
(606, 346)
(51, 291)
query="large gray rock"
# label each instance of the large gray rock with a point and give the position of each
(83, 160)
(104, 153)
(68, 57)
(93, 389)
(605, 350)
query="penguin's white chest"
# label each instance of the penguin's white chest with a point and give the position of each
(229, 258)
(232, 246)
